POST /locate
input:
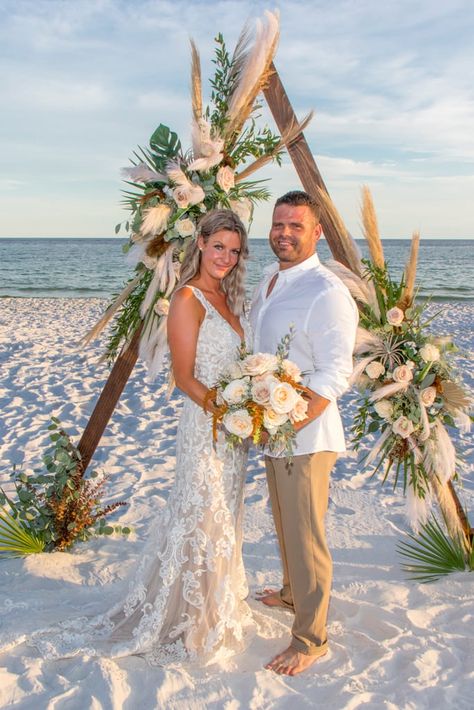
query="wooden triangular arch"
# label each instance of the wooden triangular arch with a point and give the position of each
(311, 180)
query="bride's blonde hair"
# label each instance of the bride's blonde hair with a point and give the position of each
(232, 284)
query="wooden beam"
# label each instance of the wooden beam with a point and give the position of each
(108, 399)
(303, 160)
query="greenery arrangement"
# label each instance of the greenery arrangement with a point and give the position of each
(410, 398)
(170, 188)
(57, 507)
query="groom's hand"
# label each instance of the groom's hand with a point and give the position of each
(316, 406)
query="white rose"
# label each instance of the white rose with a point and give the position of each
(260, 391)
(243, 209)
(292, 370)
(236, 391)
(428, 396)
(374, 369)
(299, 411)
(402, 373)
(238, 423)
(225, 178)
(283, 398)
(162, 307)
(259, 363)
(272, 419)
(429, 353)
(395, 316)
(234, 371)
(384, 409)
(185, 227)
(403, 427)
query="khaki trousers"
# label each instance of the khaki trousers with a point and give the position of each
(299, 493)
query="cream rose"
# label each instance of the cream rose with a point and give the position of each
(283, 398)
(429, 353)
(402, 373)
(181, 196)
(236, 391)
(225, 178)
(384, 409)
(162, 306)
(395, 316)
(374, 369)
(428, 396)
(243, 209)
(185, 227)
(292, 370)
(238, 423)
(259, 363)
(260, 391)
(272, 419)
(403, 427)
(189, 194)
(300, 410)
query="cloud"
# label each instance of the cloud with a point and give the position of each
(84, 81)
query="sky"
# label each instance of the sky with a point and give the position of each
(83, 82)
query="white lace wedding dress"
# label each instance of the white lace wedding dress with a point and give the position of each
(185, 600)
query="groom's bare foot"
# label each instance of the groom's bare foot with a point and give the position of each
(291, 662)
(271, 597)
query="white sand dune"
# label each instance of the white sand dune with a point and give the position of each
(395, 644)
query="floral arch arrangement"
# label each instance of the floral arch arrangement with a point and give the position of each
(170, 188)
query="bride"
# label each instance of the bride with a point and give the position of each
(185, 599)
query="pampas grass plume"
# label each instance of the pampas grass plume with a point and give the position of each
(371, 229)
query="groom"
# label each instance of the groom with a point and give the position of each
(298, 291)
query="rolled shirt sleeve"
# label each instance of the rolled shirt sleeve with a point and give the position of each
(331, 330)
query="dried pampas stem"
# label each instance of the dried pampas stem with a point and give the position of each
(456, 523)
(196, 83)
(360, 290)
(371, 230)
(347, 244)
(292, 132)
(410, 273)
(111, 311)
(254, 72)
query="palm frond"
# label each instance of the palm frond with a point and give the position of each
(432, 554)
(292, 132)
(111, 311)
(16, 538)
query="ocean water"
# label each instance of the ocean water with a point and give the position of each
(71, 268)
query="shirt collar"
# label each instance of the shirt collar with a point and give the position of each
(289, 274)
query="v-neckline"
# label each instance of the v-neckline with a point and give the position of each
(240, 337)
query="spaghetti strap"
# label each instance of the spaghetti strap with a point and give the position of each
(200, 296)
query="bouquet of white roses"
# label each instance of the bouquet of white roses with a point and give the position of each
(260, 392)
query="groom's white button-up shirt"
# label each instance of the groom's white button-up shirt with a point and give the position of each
(324, 316)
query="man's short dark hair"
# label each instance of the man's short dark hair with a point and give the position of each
(298, 198)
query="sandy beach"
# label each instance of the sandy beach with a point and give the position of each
(394, 644)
